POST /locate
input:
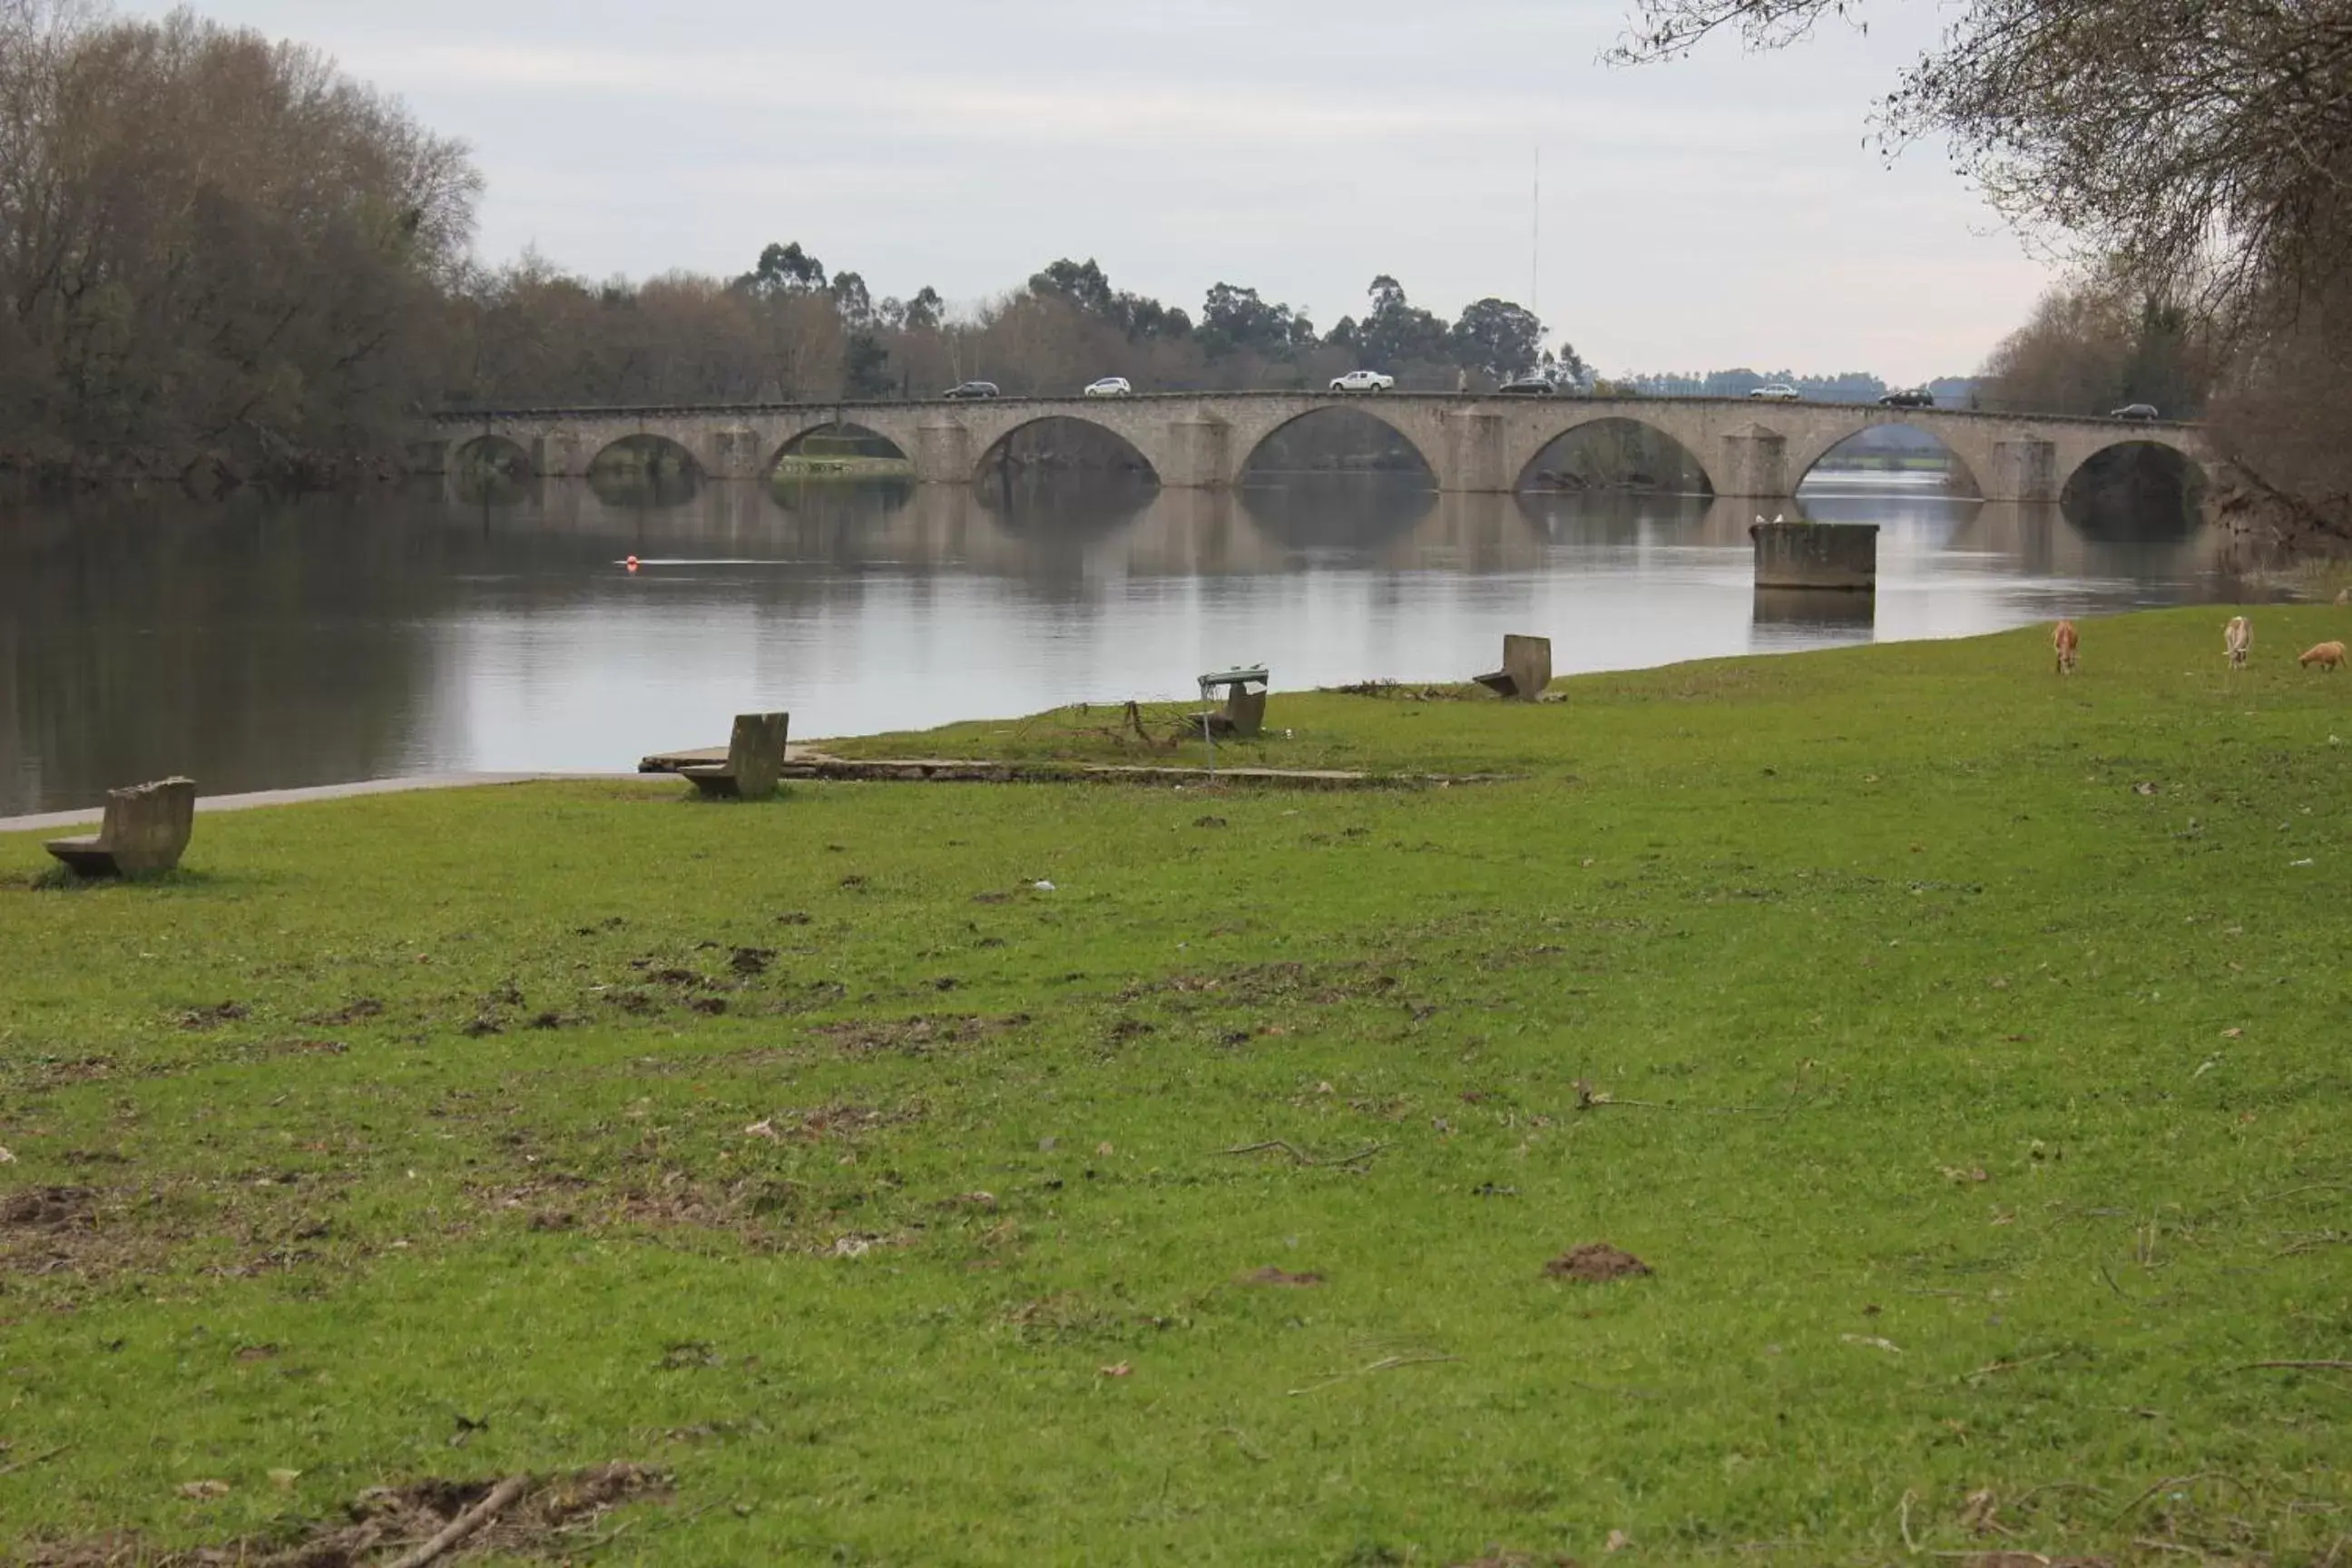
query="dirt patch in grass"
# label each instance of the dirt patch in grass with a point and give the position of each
(48, 1208)
(1259, 983)
(89, 1235)
(1595, 1262)
(1270, 1275)
(213, 1017)
(550, 1519)
(913, 1037)
(351, 1012)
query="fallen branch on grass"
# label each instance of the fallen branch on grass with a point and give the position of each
(2297, 1365)
(466, 1523)
(2178, 1481)
(1994, 1367)
(36, 1459)
(1302, 1157)
(1384, 1365)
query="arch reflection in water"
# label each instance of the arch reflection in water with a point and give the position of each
(646, 472)
(1317, 511)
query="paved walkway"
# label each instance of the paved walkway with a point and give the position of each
(811, 765)
(89, 815)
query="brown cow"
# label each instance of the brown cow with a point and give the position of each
(2326, 655)
(2064, 639)
(2238, 638)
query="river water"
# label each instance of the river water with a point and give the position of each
(261, 644)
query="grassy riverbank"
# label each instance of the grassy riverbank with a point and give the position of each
(1962, 1048)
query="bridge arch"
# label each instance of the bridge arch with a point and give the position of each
(644, 451)
(1281, 436)
(2116, 486)
(490, 452)
(840, 447)
(1968, 473)
(1625, 467)
(1027, 447)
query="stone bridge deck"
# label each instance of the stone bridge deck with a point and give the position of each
(1205, 439)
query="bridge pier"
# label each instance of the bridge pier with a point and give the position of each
(943, 454)
(1472, 461)
(556, 455)
(1198, 452)
(2022, 470)
(1753, 464)
(736, 452)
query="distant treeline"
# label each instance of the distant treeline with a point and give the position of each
(789, 330)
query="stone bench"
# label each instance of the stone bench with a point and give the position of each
(755, 754)
(145, 830)
(1526, 669)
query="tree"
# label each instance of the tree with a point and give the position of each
(919, 314)
(1085, 287)
(212, 242)
(2205, 139)
(783, 270)
(850, 298)
(1396, 331)
(1497, 337)
(1234, 318)
(2196, 149)
(1083, 284)
(2094, 345)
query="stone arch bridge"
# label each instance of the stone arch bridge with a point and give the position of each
(1204, 441)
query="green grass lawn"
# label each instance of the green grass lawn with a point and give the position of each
(1964, 1049)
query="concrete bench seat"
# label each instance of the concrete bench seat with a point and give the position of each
(1526, 669)
(755, 754)
(145, 831)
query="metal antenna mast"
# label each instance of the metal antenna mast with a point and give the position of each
(1535, 239)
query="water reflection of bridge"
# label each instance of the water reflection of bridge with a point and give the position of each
(1135, 529)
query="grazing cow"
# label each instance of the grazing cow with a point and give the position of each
(2238, 637)
(2326, 655)
(2063, 639)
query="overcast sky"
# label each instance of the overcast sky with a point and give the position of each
(1720, 212)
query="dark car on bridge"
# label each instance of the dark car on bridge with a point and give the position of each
(2134, 410)
(971, 389)
(1528, 386)
(1911, 398)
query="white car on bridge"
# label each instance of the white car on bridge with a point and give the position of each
(1777, 392)
(1362, 381)
(1110, 387)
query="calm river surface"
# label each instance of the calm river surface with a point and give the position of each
(261, 644)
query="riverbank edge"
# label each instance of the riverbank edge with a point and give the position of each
(83, 816)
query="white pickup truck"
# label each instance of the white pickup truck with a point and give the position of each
(1362, 381)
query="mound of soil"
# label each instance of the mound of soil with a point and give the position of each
(1595, 1262)
(385, 1522)
(47, 1209)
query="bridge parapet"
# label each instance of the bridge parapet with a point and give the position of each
(1206, 440)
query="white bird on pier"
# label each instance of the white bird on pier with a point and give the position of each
(1779, 516)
